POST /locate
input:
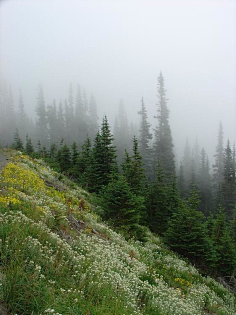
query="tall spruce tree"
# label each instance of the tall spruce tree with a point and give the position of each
(163, 143)
(81, 117)
(187, 168)
(133, 170)
(23, 120)
(186, 233)
(123, 140)
(41, 121)
(52, 122)
(205, 183)
(218, 167)
(229, 185)
(104, 165)
(92, 118)
(162, 199)
(144, 140)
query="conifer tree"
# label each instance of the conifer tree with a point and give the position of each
(122, 141)
(229, 184)
(64, 158)
(224, 245)
(144, 140)
(92, 118)
(23, 121)
(81, 118)
(60, 124)
(104, 164)
(75, 159)
(29, 146)
(161, 201)
(52, 122)
(163, 144)
(18, 144)
(133, 170)
(186, 233)
(187, 168)
(205, 183)
(122, 206)
(181, 182)
(218, 167)
(41, 122)
(85, 163)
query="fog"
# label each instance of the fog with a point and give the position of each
(116, 49)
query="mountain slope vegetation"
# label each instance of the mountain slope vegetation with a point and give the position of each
(57, 256)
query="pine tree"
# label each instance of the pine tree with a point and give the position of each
(205, 183)
(187, 168)
(186, 233)
(92, 118)
(81, 118)
(163, 144)
(218, 167)
(122, 133)
(29, 146)
(52, 122)
(122, 206)
(162, 199)
(60, 124)
(104, 164)
(133, 170)
(41, 122)
(224, 245)
(229, 184)
(181, 182)
(23, 121)
(85, 163)
(18, 144)
(144, 140)
(64, 159)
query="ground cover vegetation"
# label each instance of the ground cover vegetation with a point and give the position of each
(57, 256)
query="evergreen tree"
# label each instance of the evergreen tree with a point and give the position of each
(133, 170)
(161, 201)
(187, 168)
(60, 124)
(81, 118)
(29, 146)
(218, 167)
(229, 185)
(144, 140)
(186, 233)
(92, 118)
(196, 156)
(41, 121)
(52, 123)
(122, 133)
(205, 183)
(18, 144)
(181, 182)
(23, 121)
(64, 158)
(104, 164)
(85, 163)
(122, 206)
(163, 144)
(224, 245)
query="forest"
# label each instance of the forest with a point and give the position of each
(133, 173)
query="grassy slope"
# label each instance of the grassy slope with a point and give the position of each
(58, 257)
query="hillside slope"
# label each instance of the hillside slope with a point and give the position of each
(58, 257)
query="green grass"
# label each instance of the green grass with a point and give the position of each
(48, 266)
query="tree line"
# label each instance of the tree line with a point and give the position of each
(192, 210)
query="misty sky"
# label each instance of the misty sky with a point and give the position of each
(117, 48)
